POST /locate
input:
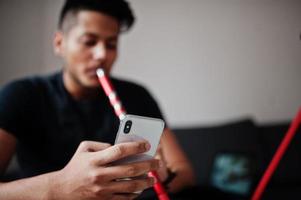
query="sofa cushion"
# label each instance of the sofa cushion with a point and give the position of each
(203, 144)
(288, 170)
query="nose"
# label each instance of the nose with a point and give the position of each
(99, 52)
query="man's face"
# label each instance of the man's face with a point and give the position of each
(90, 43)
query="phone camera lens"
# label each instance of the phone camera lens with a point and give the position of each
(127, 127)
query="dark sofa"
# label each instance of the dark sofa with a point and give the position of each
(210, 147)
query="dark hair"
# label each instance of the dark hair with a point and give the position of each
(119, 9)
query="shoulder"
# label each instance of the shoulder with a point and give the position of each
(26, 86)
(137, 99)
(19, 87)
(129, 87)
(21, 102)
(125, 83)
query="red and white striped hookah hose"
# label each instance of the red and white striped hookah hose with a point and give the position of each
(120, 112)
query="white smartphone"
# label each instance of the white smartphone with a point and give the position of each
(135, 128)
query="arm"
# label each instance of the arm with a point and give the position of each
(7, 149)
(176, 160)
(88, 175)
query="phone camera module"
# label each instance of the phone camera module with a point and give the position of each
(127, 127)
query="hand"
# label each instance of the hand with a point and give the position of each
(162, 171)
(89, 174)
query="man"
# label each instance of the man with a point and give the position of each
(62, 126)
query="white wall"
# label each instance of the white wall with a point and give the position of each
(22, 30)
(205, 61)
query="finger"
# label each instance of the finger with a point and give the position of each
(131, 170)
(122, 150)
(91, 146)
(130, 186)
(159, 150)
(158, 156)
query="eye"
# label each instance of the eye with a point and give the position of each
(89, 42)
(111, 45)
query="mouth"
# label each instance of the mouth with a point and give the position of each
(91, 72)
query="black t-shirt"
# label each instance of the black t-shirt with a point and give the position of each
(49, 124)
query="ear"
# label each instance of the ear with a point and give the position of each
(58, 42)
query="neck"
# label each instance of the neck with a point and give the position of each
(78, 91)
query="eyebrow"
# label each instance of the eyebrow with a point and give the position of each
(93, 35)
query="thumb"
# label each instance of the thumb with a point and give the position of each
(159, 153)
(91, 146)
